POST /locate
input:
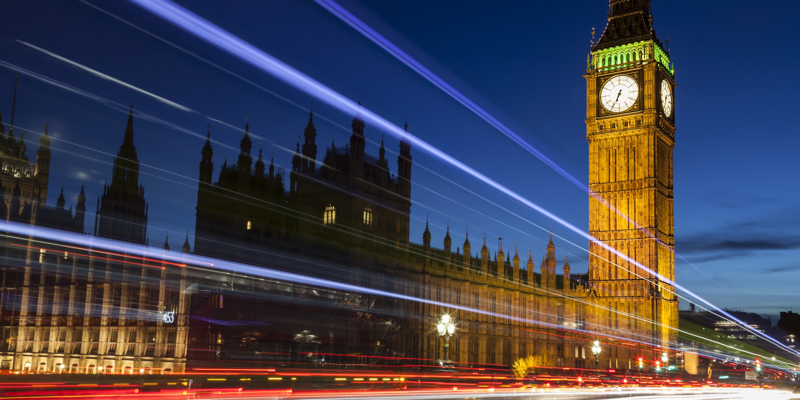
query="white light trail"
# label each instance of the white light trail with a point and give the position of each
(245, 51)
(109, 78)
(354, 22)
(94, 243)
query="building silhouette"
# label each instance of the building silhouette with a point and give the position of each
(345, 208)
(122, 210)
(351, 200)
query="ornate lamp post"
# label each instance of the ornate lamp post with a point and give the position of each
(596, 351)
(665, 359)
(446, 328)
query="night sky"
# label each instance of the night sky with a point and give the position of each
(736, 173)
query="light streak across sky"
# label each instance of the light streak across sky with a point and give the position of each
(94, 242)
(245, 51)
(147, 253)
(107, 77)
(350, 19)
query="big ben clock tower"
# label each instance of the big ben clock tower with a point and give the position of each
(630, 125)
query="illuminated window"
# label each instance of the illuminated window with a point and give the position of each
(330, 215)
(41, 255)
(368, 216)
(249, 225)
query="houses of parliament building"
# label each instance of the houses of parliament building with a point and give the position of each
(345, 217)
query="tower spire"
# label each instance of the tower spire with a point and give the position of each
(128, 140)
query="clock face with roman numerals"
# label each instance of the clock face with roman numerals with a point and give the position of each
(666, 98)
(619, 93)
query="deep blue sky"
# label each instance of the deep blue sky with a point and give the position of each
(736, 207)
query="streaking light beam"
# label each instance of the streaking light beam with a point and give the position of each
(245, 51)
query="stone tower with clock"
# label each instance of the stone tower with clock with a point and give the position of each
(630, 125)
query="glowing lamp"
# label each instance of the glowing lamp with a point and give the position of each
(451, 329)
(441, 328)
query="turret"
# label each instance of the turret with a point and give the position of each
(271, 167)
(484, 256)
(448, 243)
(61, 201)
(531, 271)
(43, 155)
(501, 261)
(426, 238)
(80, 212)
(357, 145)
(186, 248)
(404, 167)
(545, 273)
(515, 262)
(259, 168)
(566, 274)
(245, 161)
(467, 252)
(206, 164)
(382, 156)
(166, 242)
(297, 160)
(309, 145)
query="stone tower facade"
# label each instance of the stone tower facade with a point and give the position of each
(630, 125)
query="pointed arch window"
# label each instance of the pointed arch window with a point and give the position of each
(368, 216)
(329, 217)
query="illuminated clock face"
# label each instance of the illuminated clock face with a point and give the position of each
(666, 98)
(619, 93)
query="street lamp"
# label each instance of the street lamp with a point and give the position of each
(665, 359)
(596, 351)
(446, 328)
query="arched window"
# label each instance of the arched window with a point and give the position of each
(329, 217)
(368, 216)
(249, 225)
